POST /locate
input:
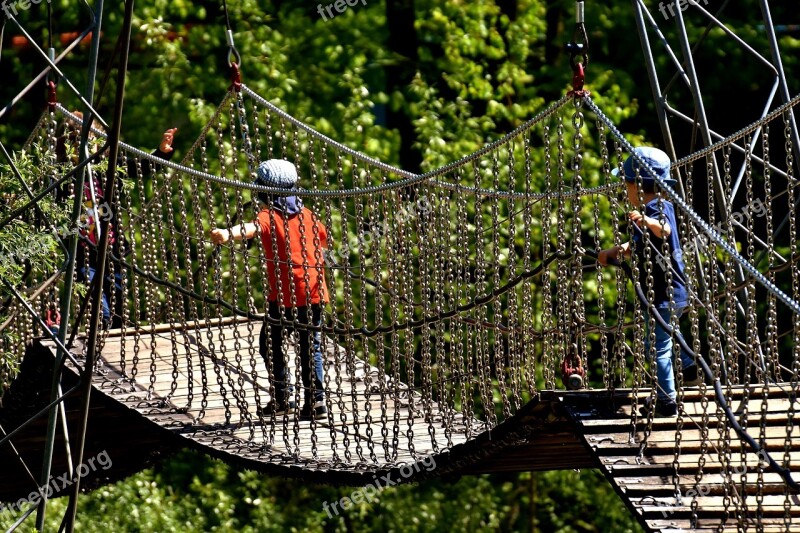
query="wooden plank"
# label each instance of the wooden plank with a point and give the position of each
(647, 482)
(354, 408)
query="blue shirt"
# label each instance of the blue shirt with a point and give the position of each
(661, 210)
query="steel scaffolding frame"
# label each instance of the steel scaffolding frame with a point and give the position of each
(79, 175)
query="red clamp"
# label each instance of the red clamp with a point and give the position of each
(572, 372)
(578, 79)
(236, 77)
(51, 96)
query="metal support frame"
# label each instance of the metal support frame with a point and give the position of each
(55, 408)
(66, 296)
(686, 72)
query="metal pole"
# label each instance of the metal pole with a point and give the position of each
(658, 97)
(778, 64)
(102, 255)
(66, 295)
(700, 109)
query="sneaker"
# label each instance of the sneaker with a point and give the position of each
(277, 408)
(691, 377)
(664, 408)
(316, 412)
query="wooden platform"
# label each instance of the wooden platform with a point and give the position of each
(200, 389)
(725, 493)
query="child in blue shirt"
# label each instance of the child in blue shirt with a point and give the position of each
(656, 216)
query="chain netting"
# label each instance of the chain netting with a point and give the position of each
(455, 296)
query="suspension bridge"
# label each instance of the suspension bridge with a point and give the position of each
(463, 302)
(465, 318)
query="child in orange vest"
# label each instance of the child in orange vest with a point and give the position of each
(297, 289)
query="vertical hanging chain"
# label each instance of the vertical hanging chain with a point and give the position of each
(563, 305)
(650, 355)
(751, 335)
(463, 352)
(205, 272)
(731, 340)
(529, 309)
(620, 358)
(772, 356)
(348, 302)
(513, 322)
(497, 349)
(319, 267)
(148, 266)
(432, 209)
(361, 298)
(549, 340)
(173, 273)
(429, 289)
(338, 351)
(608, 372)
(481, 335)
(325, 291)
(216, 273)
(788, 498)
(729, 231)
(189, 251)
(378, 210)
(666, 260)
(576, 298)
(450, 365)
(234, 385)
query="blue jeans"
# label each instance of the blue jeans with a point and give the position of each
(663, 353)
(308, 340)
(86, 275)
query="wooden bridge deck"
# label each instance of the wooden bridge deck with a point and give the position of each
(165, 408)
(171, 393)
(647, 481)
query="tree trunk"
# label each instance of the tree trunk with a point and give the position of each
(402, 42)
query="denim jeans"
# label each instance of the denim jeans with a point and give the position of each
(663, 353)
(309, 341)
(111, 283)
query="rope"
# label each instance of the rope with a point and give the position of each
(410, 178)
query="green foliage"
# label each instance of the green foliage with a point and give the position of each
(194, 493)
(28, 247)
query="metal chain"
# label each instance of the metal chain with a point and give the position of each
(341, 407)
(497, 350)
(578, 314)
(608, 375)
(529, 305)
(361, 302)
(549, 341)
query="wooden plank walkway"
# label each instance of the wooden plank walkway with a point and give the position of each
(206, 383)
(201, 387)
(725, 496)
